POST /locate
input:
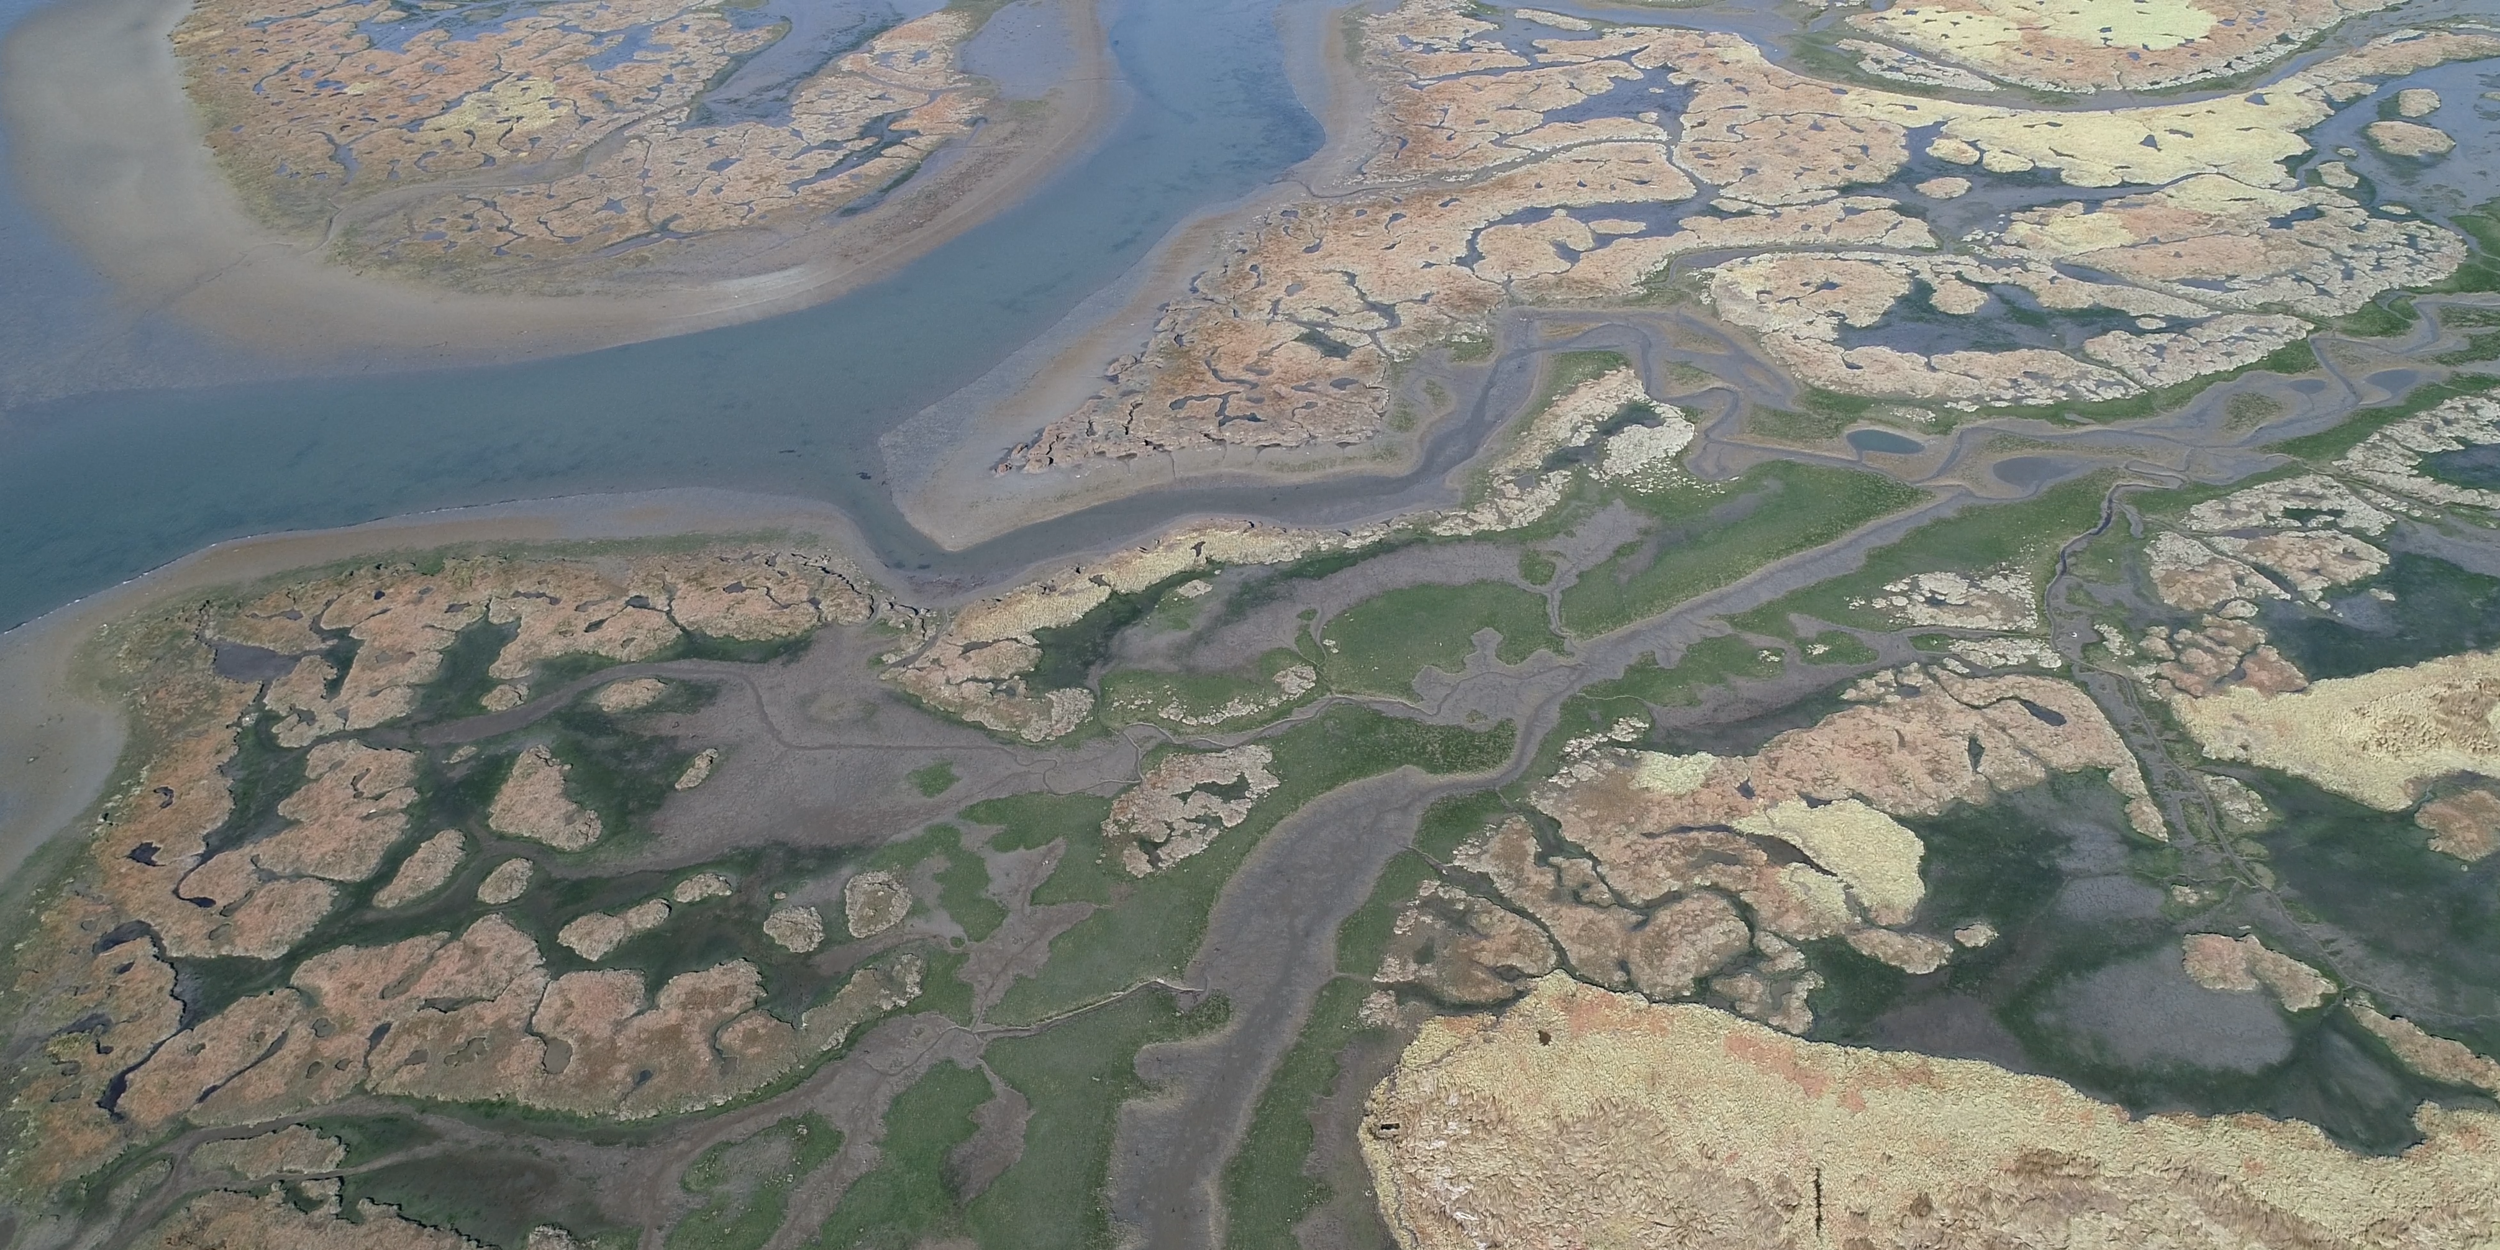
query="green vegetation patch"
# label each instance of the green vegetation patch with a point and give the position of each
(1269, 1186)
(260, 777)
(369, 1138)
(621, 774)
(2378, 319)
(909, 1197)
(2439, 609)
(492, 1195)
(1029, 821)
(1382, 643)
(934, 779)
(462, 681)
(1150, 927)
(1837, 646)
(1812, 425)
(964, 891)
(1071, 653)
(746, 1184)
(943, 988)
(2372, 876)
(1203, 701)
(1708, 663)
(2025, 535)
(1855, 990)
(1271, 1183)
(1712, 534)
(1995, 864)
(1262, 587)
(1275, 1180)
(1074, 1074)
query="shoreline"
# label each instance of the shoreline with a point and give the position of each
(60, 743)
(941, 458)
(107, 149)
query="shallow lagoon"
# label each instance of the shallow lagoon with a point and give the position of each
(99, 487)
(1885, 441)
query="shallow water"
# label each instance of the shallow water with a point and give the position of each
(98, 487)
(104, 485)
(1885, 441)
(2032, 470)
(819, 30)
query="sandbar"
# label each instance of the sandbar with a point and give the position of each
(941, 460)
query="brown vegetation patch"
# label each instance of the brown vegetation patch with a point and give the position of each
(2465, 824)
(2376, 738)
(2063, 45)
(477, 1019)
(272, 1220)
(533, 804)
(593, 153)
(1582, 1117)
(1179, 806)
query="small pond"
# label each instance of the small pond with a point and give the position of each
(1885, 441)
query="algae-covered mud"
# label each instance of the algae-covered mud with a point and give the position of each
(1721, 626)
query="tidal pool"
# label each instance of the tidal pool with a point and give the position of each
(1885, 441)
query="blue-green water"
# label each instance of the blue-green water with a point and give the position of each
(99, 487)
(1885, 441)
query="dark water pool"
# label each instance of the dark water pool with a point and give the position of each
(1885, 441)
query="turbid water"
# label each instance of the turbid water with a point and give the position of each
(1885, 441)
(98, 487)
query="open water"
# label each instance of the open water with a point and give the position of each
(99, 487)
(106, 484)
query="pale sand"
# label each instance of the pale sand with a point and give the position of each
(942, 458)
(108, 147)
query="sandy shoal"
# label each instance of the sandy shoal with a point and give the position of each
(942, 459)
